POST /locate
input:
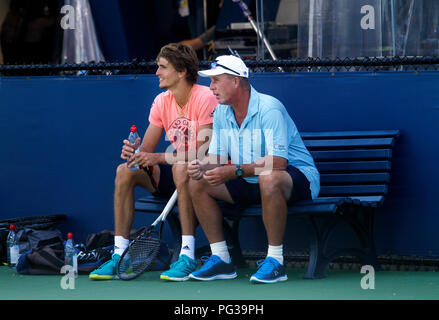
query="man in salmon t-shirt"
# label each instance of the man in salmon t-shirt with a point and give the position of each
(185, 113)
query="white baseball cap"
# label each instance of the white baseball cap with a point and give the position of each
(226, 64)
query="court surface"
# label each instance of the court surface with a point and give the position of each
(338, 285)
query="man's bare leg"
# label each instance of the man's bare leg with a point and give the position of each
(209, 214)
(204, 199)
(185, 208)
(125, 182)
(275, 190)
(188, 220)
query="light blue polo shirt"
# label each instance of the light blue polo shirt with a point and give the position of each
(266, 130)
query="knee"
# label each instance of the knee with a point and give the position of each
(269, 184)
(180, 176)
(123, 175)
(196, 187)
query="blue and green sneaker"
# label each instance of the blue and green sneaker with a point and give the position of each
(107, 271)
(180, 269)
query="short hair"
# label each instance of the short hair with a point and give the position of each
(243, 82)
(182, 57)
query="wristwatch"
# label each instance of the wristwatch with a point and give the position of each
(238, 171)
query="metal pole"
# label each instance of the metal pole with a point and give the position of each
(205, 15)
(311, 27)
(205, 25)
(258, 31)
(409, 22)
(247, 13)
(261, 8)
(258, 49)
(392, 3)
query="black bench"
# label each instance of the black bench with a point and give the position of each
(354, 171)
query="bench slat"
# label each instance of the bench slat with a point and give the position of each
(317, 208)
(351, 154)
(377, 199)
(353, 166)
(338, 201)
(353, 190)
(350, 134)
(152, 204)
(350, 143)
(355, 178)
(369, 199)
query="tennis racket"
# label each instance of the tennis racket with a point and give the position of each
(143, 250)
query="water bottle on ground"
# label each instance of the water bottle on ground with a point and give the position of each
(132, 138)
(12, 245)
(70, 254)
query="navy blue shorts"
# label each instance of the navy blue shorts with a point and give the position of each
(244, 193)
(166, 185)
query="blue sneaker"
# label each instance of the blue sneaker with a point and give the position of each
(180, 269)
(214, 269)
(106, 271)
(270, 271)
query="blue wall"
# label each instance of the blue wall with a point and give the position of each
(61, 141)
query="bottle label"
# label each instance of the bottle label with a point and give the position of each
(15, 254)
(135, 167)
(75, 263)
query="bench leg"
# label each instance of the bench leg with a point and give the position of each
(319, 257)
(319, 236)
(364, 231)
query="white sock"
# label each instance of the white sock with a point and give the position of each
(276, 252)
(220, 249)
(188, 246)
(120, 244)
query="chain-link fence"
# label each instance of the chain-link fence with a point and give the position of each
(291, 66)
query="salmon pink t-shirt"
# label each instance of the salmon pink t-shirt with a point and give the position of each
(182, 131)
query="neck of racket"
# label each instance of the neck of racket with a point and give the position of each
(167, 209)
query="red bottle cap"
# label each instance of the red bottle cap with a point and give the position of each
(12, 227)
(70, 235)
(133, 129)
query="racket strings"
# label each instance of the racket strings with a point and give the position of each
(140, 256)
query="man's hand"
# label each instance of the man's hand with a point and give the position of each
(128, 149)
(144, 159)
(220, 175)
(194, 170)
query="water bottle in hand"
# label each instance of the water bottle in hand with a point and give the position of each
(132, 138)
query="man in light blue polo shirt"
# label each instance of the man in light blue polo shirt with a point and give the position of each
(270, 166)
